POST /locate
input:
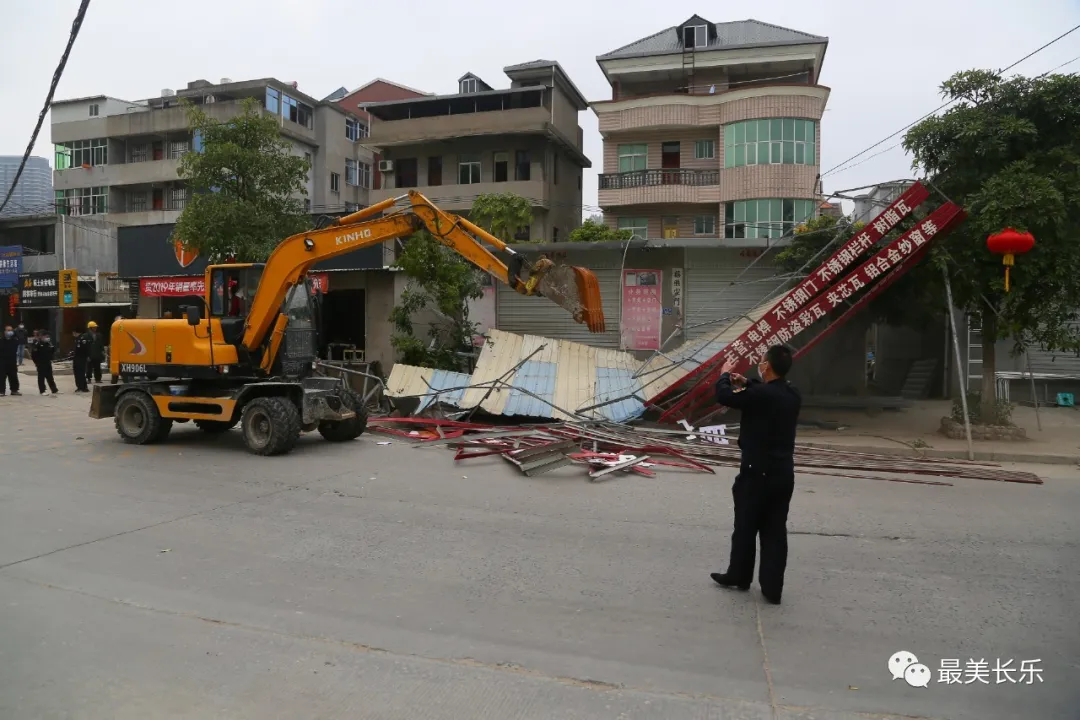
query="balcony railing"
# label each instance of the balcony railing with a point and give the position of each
(656, 178)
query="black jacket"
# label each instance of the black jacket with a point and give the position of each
(20, 335)
(97, 347)
(42, 352)
(82, 345)
(770, 415)
(9, 350)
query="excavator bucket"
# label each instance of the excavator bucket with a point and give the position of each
(577, 290)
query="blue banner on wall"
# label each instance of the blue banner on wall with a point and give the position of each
(10, 266)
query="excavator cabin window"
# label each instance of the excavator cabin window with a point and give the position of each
(233, 289)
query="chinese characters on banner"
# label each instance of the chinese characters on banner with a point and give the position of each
(677, 290)
(189, 286)
(10, 266)
(642, 309)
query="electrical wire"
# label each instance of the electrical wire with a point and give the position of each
(75, 26)
(950, 102)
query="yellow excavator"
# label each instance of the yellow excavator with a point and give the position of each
(252, 358)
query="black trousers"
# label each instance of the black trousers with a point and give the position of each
(44, 375)
(9, 375)
(78, 369)
(93, 369)
(761, 509)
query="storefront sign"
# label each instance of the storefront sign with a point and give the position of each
(10, 266)
(69, 288)
(40, 290)
(676, 290)
(641, 309)
(172, 287)
(196, 286)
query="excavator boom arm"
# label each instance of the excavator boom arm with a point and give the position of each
(294, 257)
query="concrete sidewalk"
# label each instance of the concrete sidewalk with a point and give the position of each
(913, 432)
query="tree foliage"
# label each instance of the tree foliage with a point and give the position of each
(247, 188)
(1009, 152)
(501, 214)
(441, 284)
(596, 231)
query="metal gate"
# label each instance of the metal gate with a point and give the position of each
(1060, 363)
(538, 316)
(711, 294)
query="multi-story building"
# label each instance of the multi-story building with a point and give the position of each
(713, 131)
(523, 140)
(121, 158)
(33, 195)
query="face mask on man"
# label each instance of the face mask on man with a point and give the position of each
(9, 334)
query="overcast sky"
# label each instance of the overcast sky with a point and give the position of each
(884, 63)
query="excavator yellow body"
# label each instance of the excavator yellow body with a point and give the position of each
(246, 354)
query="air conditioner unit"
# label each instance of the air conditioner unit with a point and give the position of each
(386, 166)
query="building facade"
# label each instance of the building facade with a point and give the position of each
(524, 140)
(713, 131)
(121, 158)
(34, 194)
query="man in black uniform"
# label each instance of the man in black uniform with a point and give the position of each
(9, 363)
(766, 479)
(97, 353)
(81, 361)
(41, 352)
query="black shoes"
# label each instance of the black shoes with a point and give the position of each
(724, 580)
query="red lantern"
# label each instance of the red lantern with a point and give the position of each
(1009, 243)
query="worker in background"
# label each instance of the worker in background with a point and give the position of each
(81, 360)
(20, 337)
(9, 362)
(97, 353)
(41, 352)
(766, 479)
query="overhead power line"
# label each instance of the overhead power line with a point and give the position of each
(75, 26)
(885, 139)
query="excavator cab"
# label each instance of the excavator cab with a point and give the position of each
(232, 289)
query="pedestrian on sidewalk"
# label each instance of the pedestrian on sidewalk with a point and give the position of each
(81, 360)
(9, 364)
(97, 352)
(20, 338)
(42, 352)
(766, 479)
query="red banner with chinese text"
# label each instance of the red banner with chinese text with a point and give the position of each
(815, 282)
(642, 309)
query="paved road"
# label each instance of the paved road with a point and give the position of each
(191, 580)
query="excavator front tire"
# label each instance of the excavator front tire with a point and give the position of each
(138, 420)
(345, 430)
(271, 425)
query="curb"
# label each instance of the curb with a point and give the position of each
(980, 455)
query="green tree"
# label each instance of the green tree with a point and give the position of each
(501, 214)
(441, 284)
(1008, 150)
(247, 188)
(596, 231)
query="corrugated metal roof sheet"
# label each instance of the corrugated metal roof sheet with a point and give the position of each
(740, 33)
(412, 381)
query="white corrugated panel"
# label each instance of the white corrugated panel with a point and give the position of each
(539, 316)
(710, 294)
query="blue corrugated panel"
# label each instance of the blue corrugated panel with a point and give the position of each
(443, 379)
(538, 378)
(696, 354)
(612, 383)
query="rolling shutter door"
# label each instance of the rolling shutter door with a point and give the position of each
(710, 294)
(1062, 363)
(539, 316)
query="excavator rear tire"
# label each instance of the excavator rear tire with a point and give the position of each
(345, 430)
(271, 425)
(138, 421)
(215, 427)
